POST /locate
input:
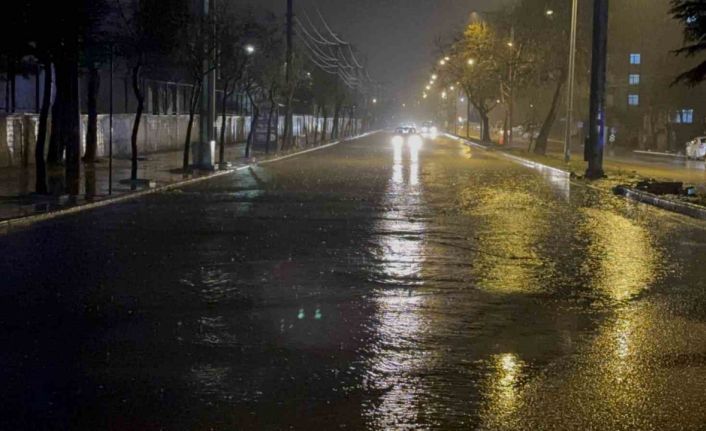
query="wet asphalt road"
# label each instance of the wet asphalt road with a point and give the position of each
(363, 286)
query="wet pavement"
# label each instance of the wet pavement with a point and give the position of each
(370, 285)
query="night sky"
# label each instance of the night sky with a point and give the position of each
(397, 36)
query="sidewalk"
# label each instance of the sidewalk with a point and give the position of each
(622, 176)
(17, 185)
(618, 166)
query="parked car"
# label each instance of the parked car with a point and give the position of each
(696, 148)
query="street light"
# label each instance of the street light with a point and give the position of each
(572, 80)
(249, 49)
(433, 77)
(442, 62)
(375, 101)
(549, 12)
(471, 61)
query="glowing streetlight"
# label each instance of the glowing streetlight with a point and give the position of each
(452, 88)
(471, 61)
(447, 58)
(433, 77)
(375, 101)
(443, 95)
(549, 12)
(442, 62)
(510, 44)
(428, 87)
(249, 49)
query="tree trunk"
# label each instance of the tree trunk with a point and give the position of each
(12, 81)
(540, 146)
(468, 116)
(92, 125)
(70, 115)
(40, 165)
(193, 102)
(269, 120)
(336, 114)
(253, 122)
(222, 140)
(136, 71)
(324, 124)
(316, 125)
(485, 126)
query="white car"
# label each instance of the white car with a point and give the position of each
(696, 148)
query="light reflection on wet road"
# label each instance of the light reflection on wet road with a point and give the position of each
(370, 285)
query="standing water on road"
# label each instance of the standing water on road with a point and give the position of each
(369, 285)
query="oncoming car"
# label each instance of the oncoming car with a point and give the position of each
(406, 130)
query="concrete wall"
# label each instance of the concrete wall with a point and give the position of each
(157, 133)
(18, 135)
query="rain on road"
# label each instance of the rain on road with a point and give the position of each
(364, 286)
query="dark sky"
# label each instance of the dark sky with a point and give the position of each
(397, 36)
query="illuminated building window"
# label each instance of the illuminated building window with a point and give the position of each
(635, 58)
(684, 116)
(634, 79)
(633, 100)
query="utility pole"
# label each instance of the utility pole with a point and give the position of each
(288, 114)
(571, 81)
(204, 152)
(597, 119)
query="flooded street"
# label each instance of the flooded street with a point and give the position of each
(372, 285)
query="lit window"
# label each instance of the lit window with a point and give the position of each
(633, 100)
(635, 58)
(634, 79)
(684, 116)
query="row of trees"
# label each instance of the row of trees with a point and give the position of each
(519, 51)
(162, 39)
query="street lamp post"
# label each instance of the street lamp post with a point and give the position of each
(597, 120)
(571, 81)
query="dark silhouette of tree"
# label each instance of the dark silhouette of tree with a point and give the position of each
(692, 14)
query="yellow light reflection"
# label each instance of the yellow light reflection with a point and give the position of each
(502, 390)
(621, 252)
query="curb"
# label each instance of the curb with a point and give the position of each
(9, 225)
(659, 154)
(683, 208)
(522, 161)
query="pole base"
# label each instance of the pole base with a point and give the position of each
(595, 174)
